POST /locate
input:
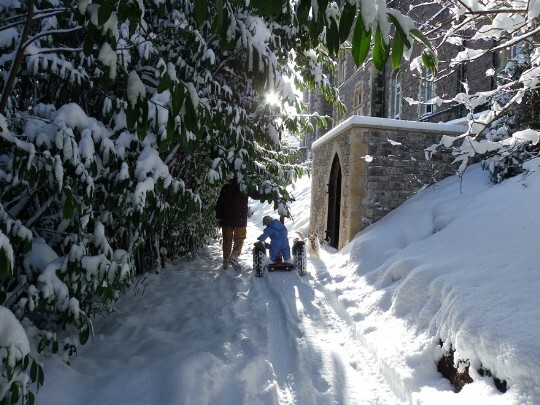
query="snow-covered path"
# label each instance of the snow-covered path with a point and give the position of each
(312, 346)
(195, 334)
(361, 328)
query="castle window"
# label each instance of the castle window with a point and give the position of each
(358, 99)
(429, 93)
(343, 69)
(396, 96)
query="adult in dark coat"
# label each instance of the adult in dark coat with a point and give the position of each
(231, 214)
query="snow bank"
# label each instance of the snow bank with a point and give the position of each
(453, 263)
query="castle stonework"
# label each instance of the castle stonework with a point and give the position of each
(366, 166)
(374, 159)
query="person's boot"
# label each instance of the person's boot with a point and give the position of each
(233, 261)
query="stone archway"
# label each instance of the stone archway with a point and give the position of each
(334, 204)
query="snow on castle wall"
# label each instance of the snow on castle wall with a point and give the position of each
(381, 164)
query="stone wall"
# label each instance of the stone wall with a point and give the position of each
(316, 104)
(379, 87)
(382, 164)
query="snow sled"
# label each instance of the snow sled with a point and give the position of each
(298, 255)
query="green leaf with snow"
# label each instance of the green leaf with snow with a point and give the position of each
(84, 332)
(323, 4)
(316, 26)
(332, 37)
(190, 116)
(346, 21)
(218, 22)
(105, 11)
(40, 375)
(381, 50)
(361, 42)
(34, 371)
(303, 8)
(429, 60)
(399, 30)
(6, 269)
(32, 176)
(15, 392)
(201, 11)
(164, 83)
(88, 45)
(131, 117)
(416, 33)
(142, 122)
(25, 362)
(69, 205)
(268, 8)
(397, 50)
(177, 99)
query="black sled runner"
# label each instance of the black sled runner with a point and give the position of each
(298, 255)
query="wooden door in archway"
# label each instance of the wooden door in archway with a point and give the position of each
(334, 204)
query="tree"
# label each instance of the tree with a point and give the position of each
(503, 122)
(120, 120)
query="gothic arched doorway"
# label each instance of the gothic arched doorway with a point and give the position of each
(334, 204)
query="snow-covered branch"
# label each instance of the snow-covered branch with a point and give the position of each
(51, 32)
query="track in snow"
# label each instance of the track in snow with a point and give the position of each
(311, 343)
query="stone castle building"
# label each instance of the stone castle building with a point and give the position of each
(372, 159)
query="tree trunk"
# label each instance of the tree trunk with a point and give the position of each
(16, 65)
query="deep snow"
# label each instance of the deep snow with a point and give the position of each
(457, 262)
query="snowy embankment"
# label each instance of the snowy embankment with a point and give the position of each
(458, 262)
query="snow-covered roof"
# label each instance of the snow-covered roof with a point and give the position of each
(374, 122)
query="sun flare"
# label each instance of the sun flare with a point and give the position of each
(272, 98)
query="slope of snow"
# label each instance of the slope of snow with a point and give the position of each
(456, 262)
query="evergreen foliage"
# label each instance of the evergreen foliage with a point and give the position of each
(119, 122)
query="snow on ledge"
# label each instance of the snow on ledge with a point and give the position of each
(360, 120)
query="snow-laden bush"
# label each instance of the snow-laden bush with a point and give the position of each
(18, 367)
(119, 122)
(505, 132)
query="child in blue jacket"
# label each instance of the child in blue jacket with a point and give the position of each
(279, 241)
